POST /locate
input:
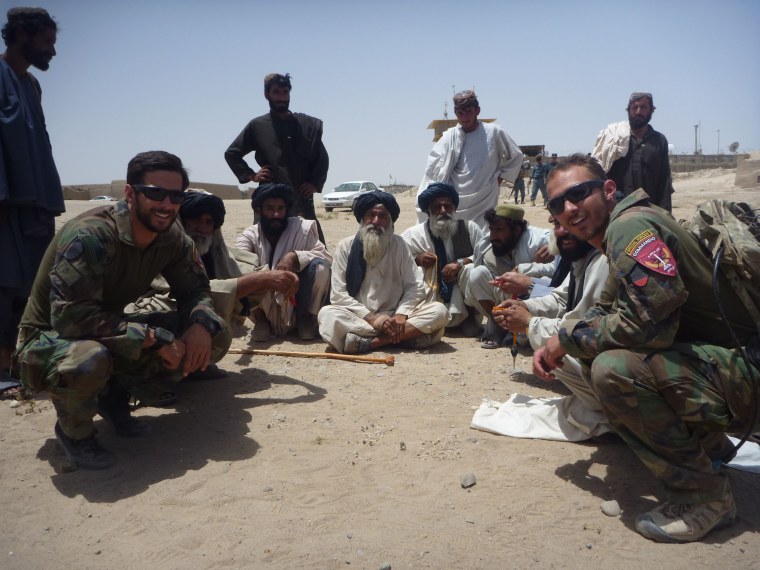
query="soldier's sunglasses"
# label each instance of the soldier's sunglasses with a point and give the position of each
(158, 194)
(574, 194)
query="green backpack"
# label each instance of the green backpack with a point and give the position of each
(734, 228)
(730, 232)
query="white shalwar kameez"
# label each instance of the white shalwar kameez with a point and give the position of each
(390, 287)
(488, 266)
(300, 236)
(473, 163)
(419, 241)
(548, 313)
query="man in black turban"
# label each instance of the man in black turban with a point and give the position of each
(202, 213)
(369, 199)
(290, 244)
(442, 247)
(376, 299)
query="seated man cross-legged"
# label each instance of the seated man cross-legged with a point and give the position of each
(442, 247)
(376, 297)
(287, 243)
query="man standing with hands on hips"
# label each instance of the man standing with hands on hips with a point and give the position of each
(288, 148)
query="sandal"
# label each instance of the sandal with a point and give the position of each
(10, 388)
(489, 343)
(11, 392)
(493, 336)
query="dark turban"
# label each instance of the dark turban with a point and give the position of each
(437, 190)
(199, 203)
(266, 191)
(371, 199)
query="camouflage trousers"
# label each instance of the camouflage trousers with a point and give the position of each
(673, 408)
(74, 372)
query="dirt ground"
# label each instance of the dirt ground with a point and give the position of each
(305, 463)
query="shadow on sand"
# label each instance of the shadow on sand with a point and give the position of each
(209, 423)
(631, 484)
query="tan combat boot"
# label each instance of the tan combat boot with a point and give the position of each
(672, 522)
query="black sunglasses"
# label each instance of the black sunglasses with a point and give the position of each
(158, 194)
(575, 194)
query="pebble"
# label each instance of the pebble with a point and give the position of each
(467, 480)
(14, 403)
(268, 489)
(589, 546)
(349, 536)
(611, 508)
(381, 374)
(385, 566)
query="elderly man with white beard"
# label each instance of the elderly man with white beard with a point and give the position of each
(442, 248)
(376, 299)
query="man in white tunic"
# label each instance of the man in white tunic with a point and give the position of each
(288, 243)
(474, 157)
(510, 244)
(442, 249)
(542, 317)
(376, 297)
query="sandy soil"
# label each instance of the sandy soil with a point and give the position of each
(303, 463)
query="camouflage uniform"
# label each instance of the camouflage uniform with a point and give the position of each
(74, 336)
(661, 367)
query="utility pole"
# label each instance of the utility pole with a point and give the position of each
(696, 148)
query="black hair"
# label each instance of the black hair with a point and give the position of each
(152, 161)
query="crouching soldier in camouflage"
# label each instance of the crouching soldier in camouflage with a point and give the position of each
(660, 360)
(75, 341)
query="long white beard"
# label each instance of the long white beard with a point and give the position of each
(443, 226)
(375, 244)
(202, 243)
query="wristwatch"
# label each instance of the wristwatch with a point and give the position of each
(461, 261)
(211, 326)
(163, 337)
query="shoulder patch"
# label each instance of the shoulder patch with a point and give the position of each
(93, 249)
(651, 252)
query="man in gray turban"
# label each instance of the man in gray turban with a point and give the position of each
(376, 298)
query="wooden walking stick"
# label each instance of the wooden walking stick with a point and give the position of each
(388, 360)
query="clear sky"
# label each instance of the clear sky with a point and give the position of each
(187, 75)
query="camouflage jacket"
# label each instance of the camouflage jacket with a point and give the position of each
(659, 289)
(92, 270)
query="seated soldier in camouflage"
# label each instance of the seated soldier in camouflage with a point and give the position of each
(75, 341)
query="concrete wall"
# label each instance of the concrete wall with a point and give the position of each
(692, 162)
(116, 190)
